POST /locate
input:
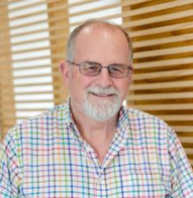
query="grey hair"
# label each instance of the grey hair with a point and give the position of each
(73, 36)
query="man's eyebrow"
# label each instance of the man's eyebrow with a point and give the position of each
(92, 62)
(118, 64)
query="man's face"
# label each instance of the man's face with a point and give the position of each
(100, 96)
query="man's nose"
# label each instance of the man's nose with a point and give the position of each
(104, 77)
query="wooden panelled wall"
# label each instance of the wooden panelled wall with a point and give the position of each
(7, 108)
(59, 32)
(162, 35)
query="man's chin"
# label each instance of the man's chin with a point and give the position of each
(102, 110)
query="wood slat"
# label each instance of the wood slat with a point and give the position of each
(32, 110)
(57, 28)
(167, 85)
(168, 107)
(189, 151)
(176, 117)
(62, 37)
(29, 24)
(186, 139)
(22, 117)
(39, 49)
(32, 76)
(165, 63)
(59, 45)
(165, 96)
(9, 122)
(23, 7)
(7, 3)
(188, 129)
(29, 41)
(158, 19)
(191, 161)
(163, 52)
(32, 101)
(152, 75)
(159, 30)
(38, 58)
(33, 93)
(32, 67)
(31, 84)
(167, 40)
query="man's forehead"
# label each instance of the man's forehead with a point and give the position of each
(100, 29)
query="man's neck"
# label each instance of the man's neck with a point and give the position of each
(98, 134)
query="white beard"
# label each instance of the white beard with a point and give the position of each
(102, 109)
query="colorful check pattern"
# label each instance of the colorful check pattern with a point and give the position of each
(45, 157)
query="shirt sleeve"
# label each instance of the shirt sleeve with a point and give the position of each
(181, 170)
(9, 169)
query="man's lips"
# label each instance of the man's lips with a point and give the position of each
(102, 95)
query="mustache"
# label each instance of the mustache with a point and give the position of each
(101, 90)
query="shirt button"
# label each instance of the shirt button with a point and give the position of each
(100, 180)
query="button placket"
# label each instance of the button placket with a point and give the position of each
(100, 178)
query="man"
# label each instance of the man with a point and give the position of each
(92, 146)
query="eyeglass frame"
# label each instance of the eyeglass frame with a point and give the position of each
(101, 67)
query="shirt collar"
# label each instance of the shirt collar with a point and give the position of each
(64, 113)
(122, 122)
(67, 114)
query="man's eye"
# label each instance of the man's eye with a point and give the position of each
(115, 69)
(93, 67)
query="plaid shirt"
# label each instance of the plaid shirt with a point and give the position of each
(45, 157)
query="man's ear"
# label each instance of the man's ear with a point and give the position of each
(65, 71)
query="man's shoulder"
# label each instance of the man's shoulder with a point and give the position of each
(133, 112)
(139, 118)
(41, 123)
(56, 113)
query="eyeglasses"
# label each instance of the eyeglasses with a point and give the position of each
(94, 69)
